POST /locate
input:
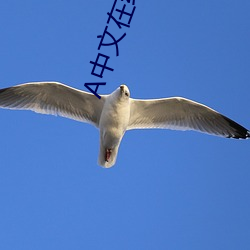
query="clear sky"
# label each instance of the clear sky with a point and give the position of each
(168, 189)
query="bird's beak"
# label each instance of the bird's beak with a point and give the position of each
(122, 88)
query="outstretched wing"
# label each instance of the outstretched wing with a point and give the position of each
(55, 99)
(182, 114)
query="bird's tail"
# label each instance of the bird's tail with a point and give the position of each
(103, 160)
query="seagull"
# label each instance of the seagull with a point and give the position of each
(116, 113)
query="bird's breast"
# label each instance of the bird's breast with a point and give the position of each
(114, 119)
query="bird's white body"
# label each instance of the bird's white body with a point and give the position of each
(116, 113)
(113, 124)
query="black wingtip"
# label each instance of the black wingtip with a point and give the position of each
(3, 90)
(248, 134)
(239, 131)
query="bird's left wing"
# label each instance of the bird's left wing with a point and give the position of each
(53, 98)
(182, 114)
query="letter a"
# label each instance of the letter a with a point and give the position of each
(97, 86)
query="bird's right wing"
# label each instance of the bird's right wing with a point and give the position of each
(182, 114)
(53, 98)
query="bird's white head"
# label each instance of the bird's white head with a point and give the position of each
(121, 94)
(124, 91)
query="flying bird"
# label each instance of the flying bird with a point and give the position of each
(116, 113)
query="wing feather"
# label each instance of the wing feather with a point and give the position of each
(53, 98)
(182, 114)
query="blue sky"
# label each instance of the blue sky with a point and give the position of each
(169, 189)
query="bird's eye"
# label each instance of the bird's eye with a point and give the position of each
(126, 93)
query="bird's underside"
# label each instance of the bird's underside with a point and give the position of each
(108, 154)
(117, 112)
